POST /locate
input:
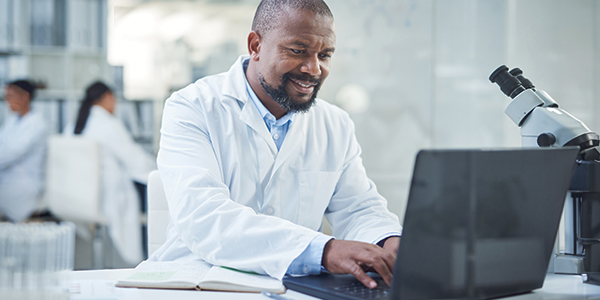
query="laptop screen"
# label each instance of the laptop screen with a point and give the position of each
(481, 223)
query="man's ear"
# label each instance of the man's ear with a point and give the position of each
(254, 42)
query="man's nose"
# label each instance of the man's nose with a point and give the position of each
(311, 66)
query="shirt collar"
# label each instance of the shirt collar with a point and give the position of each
(264, 112)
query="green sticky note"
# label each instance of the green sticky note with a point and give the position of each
(152, 275)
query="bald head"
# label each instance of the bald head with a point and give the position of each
(267, 14)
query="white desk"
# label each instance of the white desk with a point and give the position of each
(563, 287)
(101, 277)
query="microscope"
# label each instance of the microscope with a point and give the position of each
(544, 124)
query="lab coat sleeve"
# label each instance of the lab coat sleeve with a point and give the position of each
(16, 146)
(136, 161)
(208, 221)
(357, 211)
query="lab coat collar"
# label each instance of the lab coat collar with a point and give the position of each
(267, 116)
(235, 86)
(18, 118)
(99, 110)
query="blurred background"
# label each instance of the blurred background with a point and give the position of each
(412, 74)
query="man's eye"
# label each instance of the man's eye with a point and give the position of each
(296, 51)
(325, 56)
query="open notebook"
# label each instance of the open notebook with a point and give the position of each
(198, 275)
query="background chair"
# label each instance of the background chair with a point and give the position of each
(73, 186)
(158, 213)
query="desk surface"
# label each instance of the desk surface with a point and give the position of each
(564, 287)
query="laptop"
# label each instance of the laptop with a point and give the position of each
(479, 224)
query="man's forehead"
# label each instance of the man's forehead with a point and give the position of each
(291, 15)
(295, 23)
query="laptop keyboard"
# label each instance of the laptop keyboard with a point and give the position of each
(359, 290)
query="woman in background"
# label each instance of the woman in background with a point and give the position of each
(123, 162)
(23, 138)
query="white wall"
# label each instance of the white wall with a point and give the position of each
(425, 68)
(413, 74)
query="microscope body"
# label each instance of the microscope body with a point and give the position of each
(582, 222)
(544, 124)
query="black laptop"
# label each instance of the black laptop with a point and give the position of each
(479, 224)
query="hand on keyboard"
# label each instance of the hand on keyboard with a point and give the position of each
(356, 258)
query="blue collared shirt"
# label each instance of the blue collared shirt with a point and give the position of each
(277, 128)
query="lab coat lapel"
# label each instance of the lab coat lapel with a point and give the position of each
(295, 136)
(251, 117)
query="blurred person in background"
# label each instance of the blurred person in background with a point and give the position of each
(123, 162)
(23, 144)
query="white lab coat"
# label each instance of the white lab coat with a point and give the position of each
(23, 144)
(123, 161)
(235, 200)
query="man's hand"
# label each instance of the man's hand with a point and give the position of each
(351, 257)
(391, 244)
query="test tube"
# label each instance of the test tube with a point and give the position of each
(35, 259)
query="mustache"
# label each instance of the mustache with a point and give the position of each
(302, 77)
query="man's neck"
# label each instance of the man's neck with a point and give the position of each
(271, 105)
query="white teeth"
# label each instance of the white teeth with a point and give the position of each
(302, 84)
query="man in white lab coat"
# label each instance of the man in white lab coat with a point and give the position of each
(251, 161)
(23, 139)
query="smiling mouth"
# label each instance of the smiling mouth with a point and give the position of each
(303, 87)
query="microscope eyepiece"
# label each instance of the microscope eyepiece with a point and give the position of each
(516, 72)
(509, 84)
(524, 81)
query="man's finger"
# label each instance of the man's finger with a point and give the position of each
(358, 272)
(382, 267)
